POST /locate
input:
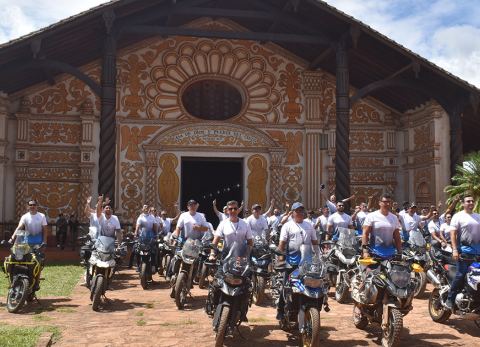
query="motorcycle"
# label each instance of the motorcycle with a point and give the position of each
(382, 292)
(184, 266)
(229, 294)
(205, 268)
(441, 275)
(85, 254)
(261, 260)
(146, 251)
(416, 250)
(341, 262)
(102, 266)
(166, 252)
(304, 289)
(22, 267)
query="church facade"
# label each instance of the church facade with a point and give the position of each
(182, 97)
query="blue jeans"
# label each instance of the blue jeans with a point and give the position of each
(457, 283)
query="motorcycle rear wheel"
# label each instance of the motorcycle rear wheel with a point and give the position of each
(98, 291)
(222, 326)
(181, 290)
(203, 281)
(17, 295)
(438, 312)
(391, 335)
(259, 290)
(311, 332)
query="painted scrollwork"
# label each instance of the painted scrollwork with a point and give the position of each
(132, 188)
(55, 133)
(366, 141)
(55, 197)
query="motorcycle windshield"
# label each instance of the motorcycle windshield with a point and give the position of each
(207, 237)
(310, 262)
(105, 244)
(416, 238)
(192, 248)
(346, 238)
(237, 259)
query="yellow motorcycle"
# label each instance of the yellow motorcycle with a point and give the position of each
(22, 267)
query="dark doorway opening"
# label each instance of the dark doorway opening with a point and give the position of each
(206, 179)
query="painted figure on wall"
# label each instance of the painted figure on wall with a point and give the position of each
(257, 180)
(168, 182)
(133, 137)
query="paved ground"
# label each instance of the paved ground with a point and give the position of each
(149, 318)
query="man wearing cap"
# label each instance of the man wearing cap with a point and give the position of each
(338, 220)
(295, 233)
(192, 222)
(257, 222)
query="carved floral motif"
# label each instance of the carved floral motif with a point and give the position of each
(55, 197)
(55, 157)
(55, 133)
(366, 140)
(422, 137)
(53, 173)
(362, 162)
(364, 113)
(132, 188)
(292, 187)
(291, 82)
(133, 71)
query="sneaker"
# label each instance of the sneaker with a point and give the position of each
(449, 304)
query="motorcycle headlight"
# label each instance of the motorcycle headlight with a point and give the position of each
(312, 282)
(232, 280)
(400, 278)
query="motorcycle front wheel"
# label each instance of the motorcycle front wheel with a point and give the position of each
(341, 292)
(144, 275)
(97, 292)
(181, 290)
(421, 284)
(438, 312)
(167, 258)
(391, 334)
(222, 326)
(311, 331)
(17, 295)
(203, 280)
(259, 290)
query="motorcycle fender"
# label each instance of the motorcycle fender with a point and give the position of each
(218, 314)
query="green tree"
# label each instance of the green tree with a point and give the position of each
(466, 180)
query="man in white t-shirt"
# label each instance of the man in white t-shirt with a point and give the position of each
(331, 203)
(109, 224)
(146, 226)
(192, 223)
(412, 221)
(434, 230)
(465, 238)
(34, 223)
(232, 229)
(359, 217)
(381, 231)
(336, 220)
(445, 228)
(257, 222)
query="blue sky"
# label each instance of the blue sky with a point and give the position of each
(447, 32)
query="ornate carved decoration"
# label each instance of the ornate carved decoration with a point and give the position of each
(150, 181)
(366, 141)
(213, 135)
(131, 138)
(422, 137)
(290, 81)
(276, 158)
(168, 182)
(132, 188)
(423, 183)
(55, 197)
(292, 141)
(55, 157)
(133, 71)
(55, 133)
(366, 177)
(363, 163)
(20, 190)
(327, 101)
(184, 62)
(53, 174)
(257, 180)
(292, 187)
(364, 113)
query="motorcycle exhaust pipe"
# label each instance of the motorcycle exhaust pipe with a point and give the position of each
(433, 278)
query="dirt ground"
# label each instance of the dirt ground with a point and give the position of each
(137, 317)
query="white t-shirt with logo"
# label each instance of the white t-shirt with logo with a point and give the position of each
(232, 232)
(382, 228)
(108, 226)
(257, 225)
(187, 221)
(33, 222)
(296, 234)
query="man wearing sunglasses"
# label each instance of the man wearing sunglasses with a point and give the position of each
(167, 221)
(338, 220)
(35, 223)
(465, 238)
(232, 230)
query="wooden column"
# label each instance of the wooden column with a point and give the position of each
(342, 132)
(106, 174)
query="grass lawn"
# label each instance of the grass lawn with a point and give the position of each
(14, 336)
(59, 281)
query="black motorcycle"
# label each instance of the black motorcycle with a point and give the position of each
(146, 250)
(229, 294)
(304, 291)
(441, 275)
(22, 267)
(261, 261)
(382, 292)
(205, 267)
(85, 254)
(102, 267)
